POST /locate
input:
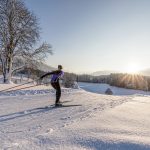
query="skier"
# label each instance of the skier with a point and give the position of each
(56, 75)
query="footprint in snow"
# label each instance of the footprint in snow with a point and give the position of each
(65, 118)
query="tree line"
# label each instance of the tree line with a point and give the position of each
(123, 80)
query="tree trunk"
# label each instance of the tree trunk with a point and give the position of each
(4, 68)
(4, 76)
(7, 70)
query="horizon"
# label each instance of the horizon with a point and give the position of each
(144, 72)
(89, 36)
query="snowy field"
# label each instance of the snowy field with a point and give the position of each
(101, 88)
(89, 122)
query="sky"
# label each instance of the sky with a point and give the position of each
(95, 35)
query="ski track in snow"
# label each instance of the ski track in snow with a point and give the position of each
(102, 122)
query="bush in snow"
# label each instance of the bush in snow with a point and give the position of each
(109, 92)
(76, 86)
(69, 80)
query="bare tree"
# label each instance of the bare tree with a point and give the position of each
(19, 32)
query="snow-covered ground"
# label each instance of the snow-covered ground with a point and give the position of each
(89, 122)
(101, 88)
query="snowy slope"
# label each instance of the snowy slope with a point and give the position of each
(101, 122)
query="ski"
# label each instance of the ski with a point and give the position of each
(67, 105)
(57, 106)
(64, 102)
(53, 105)
(46, 107)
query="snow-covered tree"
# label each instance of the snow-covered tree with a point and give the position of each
(19, 32)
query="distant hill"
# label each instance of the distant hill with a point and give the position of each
(105, 72)
(45, 68)
(41, 66)
(145, 72)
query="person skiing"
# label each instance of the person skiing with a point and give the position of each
(56, 75)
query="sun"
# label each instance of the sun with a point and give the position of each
(133, 68)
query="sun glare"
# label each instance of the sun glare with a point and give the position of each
(133, 68)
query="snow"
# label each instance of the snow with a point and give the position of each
(99, 122)
(17, 78)
(101, 88)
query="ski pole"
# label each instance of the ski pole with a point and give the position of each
(17, 86)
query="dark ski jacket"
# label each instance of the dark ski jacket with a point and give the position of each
(56, 75)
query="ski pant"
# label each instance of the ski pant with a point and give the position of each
(56, 86)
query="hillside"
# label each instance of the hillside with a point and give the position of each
(44, 67)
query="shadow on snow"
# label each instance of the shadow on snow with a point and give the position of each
(24, 113)
(97, 144)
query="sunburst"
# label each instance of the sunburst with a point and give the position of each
(133, 68)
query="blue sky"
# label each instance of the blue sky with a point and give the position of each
(93, 35)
